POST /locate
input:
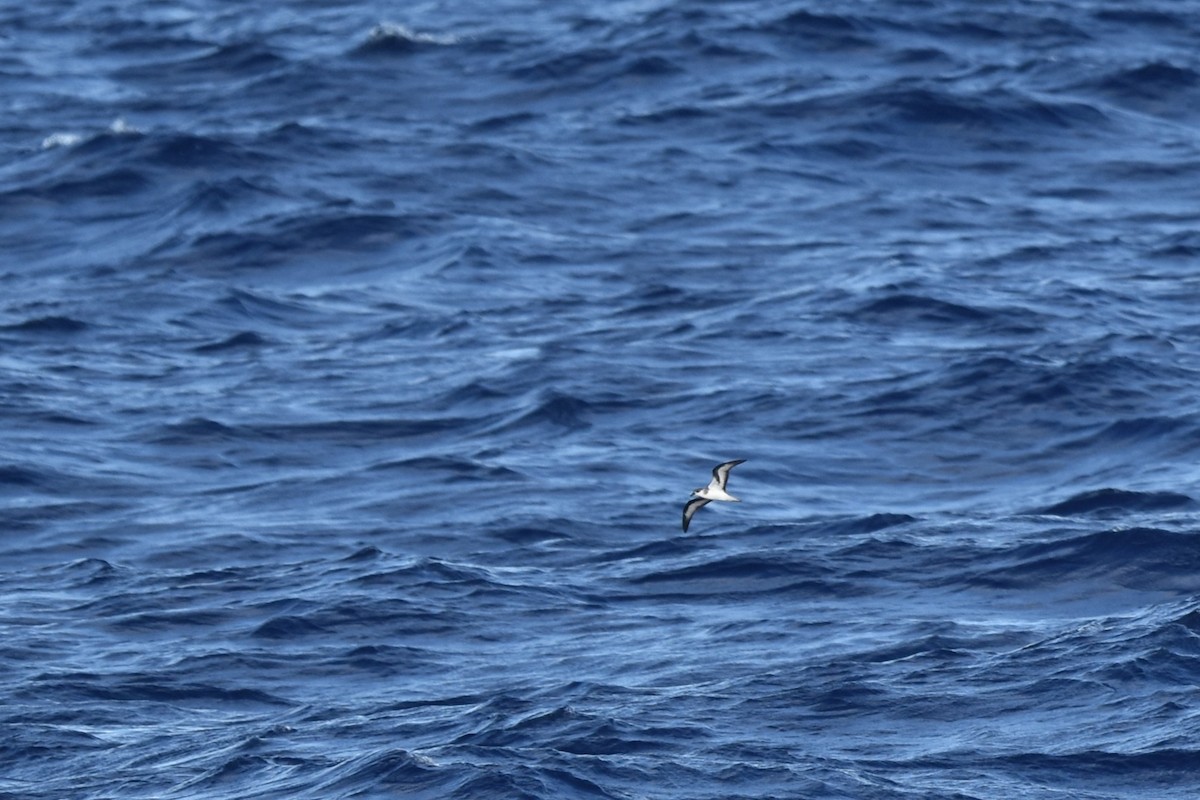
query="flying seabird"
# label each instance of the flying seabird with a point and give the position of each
(714, 491)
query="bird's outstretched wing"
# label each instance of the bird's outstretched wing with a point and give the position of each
(689, 510)
(721, 472)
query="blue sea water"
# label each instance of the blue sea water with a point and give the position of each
(356, 361)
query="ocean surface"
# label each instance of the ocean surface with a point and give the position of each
(357, 359)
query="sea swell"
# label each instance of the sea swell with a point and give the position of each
(355, 369)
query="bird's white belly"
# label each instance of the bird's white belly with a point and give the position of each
(714, 493)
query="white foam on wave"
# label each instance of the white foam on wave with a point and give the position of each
(393, 31)
(66, 139)
(61, 140)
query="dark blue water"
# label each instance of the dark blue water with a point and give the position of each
(356, 361)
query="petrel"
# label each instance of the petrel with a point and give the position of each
(714, 491)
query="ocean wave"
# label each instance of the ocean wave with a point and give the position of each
(238, 341)
(47, 325)
(391, 39)
(207, 62)
(742, 575)
(1156, 87)
(453, 468)
(1136, 557)
(93, 686)
(275, 241)
(939, 112)
(1118, 501)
